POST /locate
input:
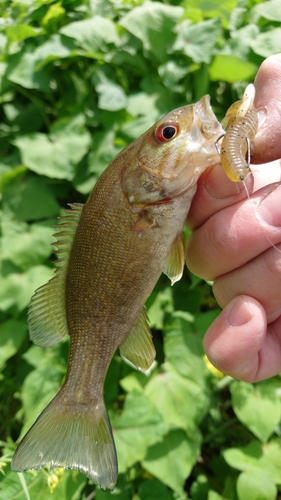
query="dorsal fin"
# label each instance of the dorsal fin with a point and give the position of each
(47, 311)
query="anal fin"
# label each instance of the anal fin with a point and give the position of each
(138, 348)
(173, 267)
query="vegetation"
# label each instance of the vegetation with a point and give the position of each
(79, 81)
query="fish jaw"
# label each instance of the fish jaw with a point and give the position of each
(162, 171)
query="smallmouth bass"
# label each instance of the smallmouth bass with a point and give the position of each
(111, 252)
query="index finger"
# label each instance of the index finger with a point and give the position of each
(267, 144)
(215, 192)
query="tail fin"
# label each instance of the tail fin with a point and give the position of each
(72, 437)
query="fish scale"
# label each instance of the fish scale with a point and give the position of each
(111, 253)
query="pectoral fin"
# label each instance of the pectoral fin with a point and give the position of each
(144, 223)
(47, 312)
(173, 267)
(138, 348)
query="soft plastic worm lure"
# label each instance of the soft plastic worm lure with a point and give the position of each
(241, 123)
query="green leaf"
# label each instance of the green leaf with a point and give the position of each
(21, 32)
(139, 426)
(16, 289)
(33, 245)
(254, 485)
(198, 40)
(92, 34)
(153, 489)
(257, 406)
(248, 457)
(158, 304)
(135, 381)
(153, 23)
(103, 151)
(111, 96)
(12, 333)
(266, 44)
(54, 13)
(56, 47)
(272, 451)
(172, 459)
(231, 69)
(181, 402)
(41, 384)
(27, 66)
(29, 198)
(21, 70)
(270, 9)
(56, 156)
(215, 8)
(68, 485)
(183, 348)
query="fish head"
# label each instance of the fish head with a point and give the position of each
(172, 154)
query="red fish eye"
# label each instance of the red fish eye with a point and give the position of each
(167, 132)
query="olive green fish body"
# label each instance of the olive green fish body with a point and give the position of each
(111, 253)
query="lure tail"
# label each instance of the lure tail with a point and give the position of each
(71, 436)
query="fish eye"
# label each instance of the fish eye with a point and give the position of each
(166, 132)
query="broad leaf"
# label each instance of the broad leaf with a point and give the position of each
(138, 427)
(29, 199)
(21, 70)
(12, 334)
(16, 289)
(257, 406)
(250, 457)
(92, 34)
(33, 245)
(181, 402)
(269, 10)
(40, 385)
(183, 348)
(231, 68)
(267, 43)
(152, 22)
(57, 155)
(172, 459)
(255, 486)
(198, 40)
(111, 96)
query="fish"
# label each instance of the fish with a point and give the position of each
(241, 121)
(111, 252)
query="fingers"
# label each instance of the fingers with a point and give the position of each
(267, 145)
(215, 192)
(240, 343)
(236, 234)
(259, 278)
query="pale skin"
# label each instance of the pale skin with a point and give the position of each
(232, 246)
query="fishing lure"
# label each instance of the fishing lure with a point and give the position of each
(241, 123)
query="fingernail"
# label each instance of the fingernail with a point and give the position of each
(239, 313)
(262, 115)
(270, 207)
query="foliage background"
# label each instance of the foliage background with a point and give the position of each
(79, 81)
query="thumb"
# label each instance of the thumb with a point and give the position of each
(267, 144)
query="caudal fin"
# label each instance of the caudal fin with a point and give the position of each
(71, 437)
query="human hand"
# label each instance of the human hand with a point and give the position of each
(232, 244)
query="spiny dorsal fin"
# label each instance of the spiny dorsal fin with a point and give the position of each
(47, 311)
(138, 347)
(173, 267)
